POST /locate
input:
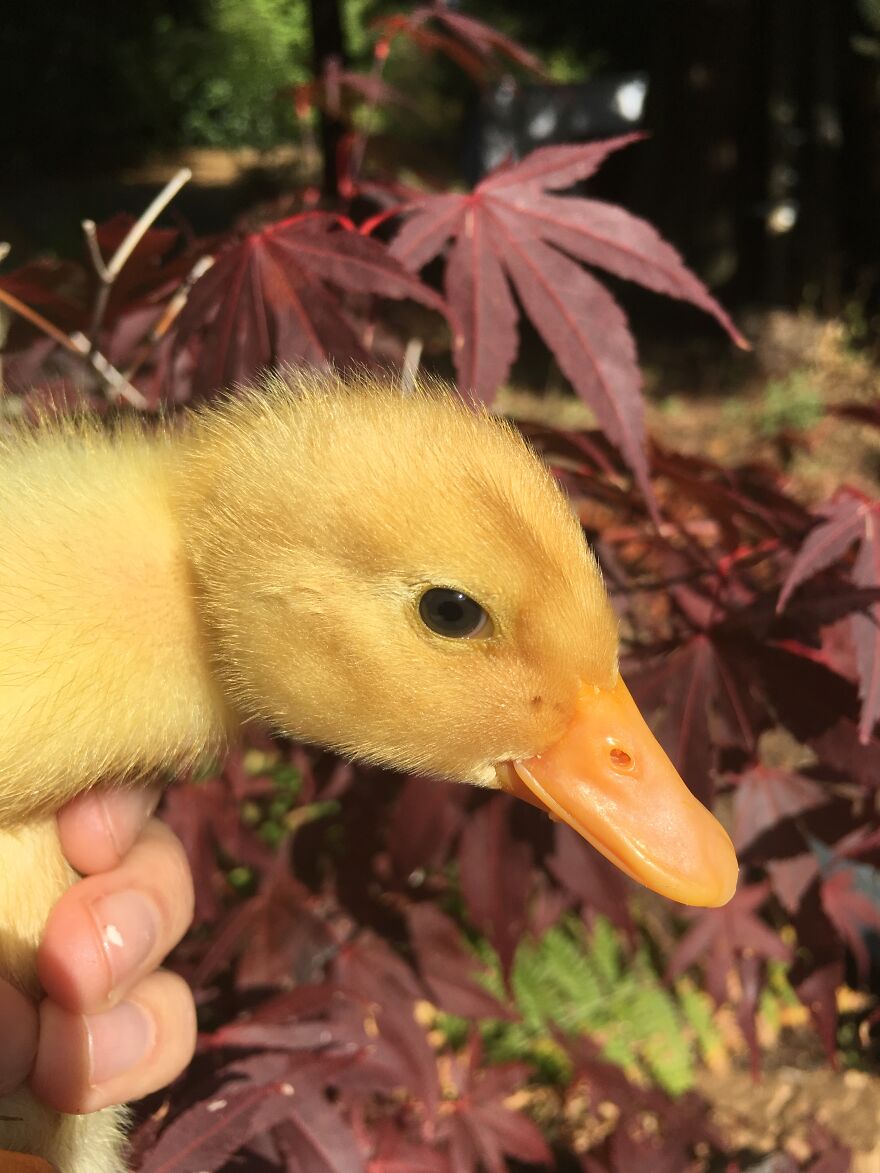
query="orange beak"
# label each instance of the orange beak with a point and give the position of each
(609, 779)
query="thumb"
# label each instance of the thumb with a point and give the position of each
(18, 1030)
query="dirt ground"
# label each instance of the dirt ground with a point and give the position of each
(771, 405)
(780, 1112)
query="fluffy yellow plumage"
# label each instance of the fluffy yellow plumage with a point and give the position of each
(269, 560)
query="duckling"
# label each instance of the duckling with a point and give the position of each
(396, 577)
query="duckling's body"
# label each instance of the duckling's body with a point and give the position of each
(102, 661)
(270, 560)
(103, 675)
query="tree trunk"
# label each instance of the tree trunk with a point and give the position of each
(328, 55)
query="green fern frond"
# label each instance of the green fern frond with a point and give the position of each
(657, 1036)
(697, 1009)
(582, 983)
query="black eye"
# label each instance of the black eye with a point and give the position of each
(452, 613)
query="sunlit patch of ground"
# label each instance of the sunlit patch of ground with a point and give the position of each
(773, 406)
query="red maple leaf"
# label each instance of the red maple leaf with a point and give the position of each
(427, 817)
(399, 1056)
(587, 876)
(480, 1127)
(58, 289)
(818, 706)
(765, 797)
(653, 1132)
(850, 518)
(328, 91)
(285, 938)
(388, 1149)
(211, 1131)
(826, 543)
(281, 1093)
(662, 1140)
(64, 291)
(818, 992)
(852, 912)
(204, 816)
(697, 688)
(496, 876)
(722, 937)
(450, 971)
(511, 232)
(266, 300)
(315, 1138)
(473, 45)
(790, 878)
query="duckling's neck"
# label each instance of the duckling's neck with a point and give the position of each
(101, 647)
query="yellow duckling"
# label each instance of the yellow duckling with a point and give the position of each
(393, 576)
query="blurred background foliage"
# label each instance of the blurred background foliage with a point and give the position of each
(765, 112)
(170, 73)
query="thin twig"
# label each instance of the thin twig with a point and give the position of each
(108, 273)
(91, 234)
(139, 228)
(79, 345)
(179, 298)
(170, 313)
(113, 379)
(411, 360)
(38, 320)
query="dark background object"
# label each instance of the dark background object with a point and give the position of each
(763, 157)
(511, 120)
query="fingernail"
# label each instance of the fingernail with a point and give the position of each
(119, 1039)
(126, 814)
(18, 1026)
(128, 923)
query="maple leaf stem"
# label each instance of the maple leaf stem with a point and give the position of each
(370, 225)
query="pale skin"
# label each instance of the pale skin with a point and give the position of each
(113, 1026)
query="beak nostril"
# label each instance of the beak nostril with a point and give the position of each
(620, 759)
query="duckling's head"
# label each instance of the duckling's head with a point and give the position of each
(399, 578)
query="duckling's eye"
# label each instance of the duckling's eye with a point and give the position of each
(453, 613)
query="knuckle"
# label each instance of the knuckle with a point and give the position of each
(171, 880)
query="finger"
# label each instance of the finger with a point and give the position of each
(98, 829)
(87, 1062)
(18, 1030)
(112, 929)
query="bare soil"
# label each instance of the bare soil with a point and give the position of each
(774, 405)
(796, 1093)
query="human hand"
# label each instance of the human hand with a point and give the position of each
(113, 1026)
